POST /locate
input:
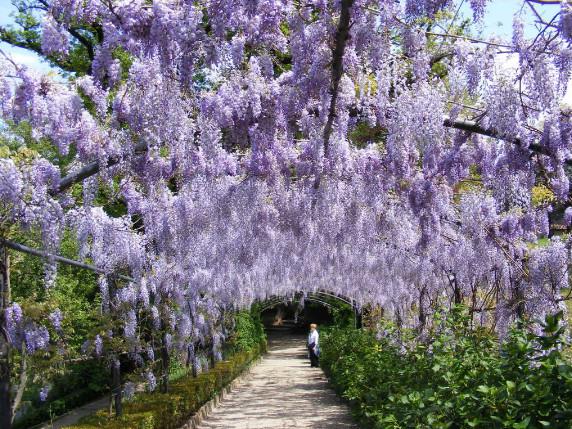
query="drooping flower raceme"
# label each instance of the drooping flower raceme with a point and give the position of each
(214, 139)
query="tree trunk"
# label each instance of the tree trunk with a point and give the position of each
(519, 301)
(422, 315)
(192, 351)
(116, 395)
(194, 369)
(22, 384)
(189, 359)
(357, 316)
(212, 357)
(5, 402)
(164, 365)
(5, 387)
(458, 296)
(279, 315)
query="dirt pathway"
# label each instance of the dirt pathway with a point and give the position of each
(282, 392)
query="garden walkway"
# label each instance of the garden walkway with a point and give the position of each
(282, 391)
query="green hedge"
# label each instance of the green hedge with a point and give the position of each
(461, 378)
(186, 395)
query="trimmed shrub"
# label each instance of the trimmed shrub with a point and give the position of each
(171, 410)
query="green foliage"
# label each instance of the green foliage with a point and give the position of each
(172, 410)
(80, 382)
(18, 143)
(342, 313)
(460, 380)
(364, 134)
(125, 59)
(248, 331)
(542, 196)
(75, 292)
(26, 33)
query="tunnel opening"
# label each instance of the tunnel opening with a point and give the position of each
(295, 314)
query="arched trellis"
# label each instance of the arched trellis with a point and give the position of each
(318, 296)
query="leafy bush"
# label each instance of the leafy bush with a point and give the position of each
(248, 331)
(171, 410)
(461, 379)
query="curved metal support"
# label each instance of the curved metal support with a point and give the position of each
(332, 295)
(272, 303)
(320, 295)
(324, 303)
(46, 255)
(317, 297)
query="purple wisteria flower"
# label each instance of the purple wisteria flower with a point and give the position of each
(129, 390)
(568, 216)
(239, 182)
(44, 393)
(151, 381)
(98, 345)
(56, 318)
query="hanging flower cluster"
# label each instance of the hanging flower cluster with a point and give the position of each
(242, 161)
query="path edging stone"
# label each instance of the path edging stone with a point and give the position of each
(203, 412)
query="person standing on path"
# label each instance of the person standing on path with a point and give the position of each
(313, 345)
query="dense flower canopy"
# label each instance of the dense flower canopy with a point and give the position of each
(265, 147)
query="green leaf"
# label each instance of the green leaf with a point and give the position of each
(483, 389)
(523, 424)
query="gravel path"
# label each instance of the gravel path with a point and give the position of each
(283, 391)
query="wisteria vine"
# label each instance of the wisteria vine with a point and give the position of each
(234, 135)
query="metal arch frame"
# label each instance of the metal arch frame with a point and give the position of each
(320, 293)
(317, 296)
(40, 253)
(271, 303)
(333, 295)
(324, 303)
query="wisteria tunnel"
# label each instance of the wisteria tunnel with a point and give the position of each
(343, 213)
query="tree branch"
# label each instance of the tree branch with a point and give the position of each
(544, 2)
(83, 40)
(342, 34)
(11, 37)
(440, 56)
(92, 168)
(21, 385)
(473, 127)
(470, 39)
(465, 125)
